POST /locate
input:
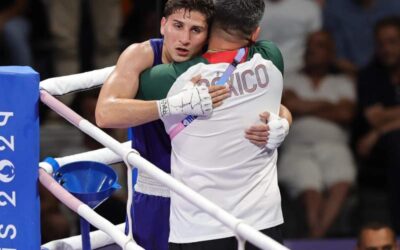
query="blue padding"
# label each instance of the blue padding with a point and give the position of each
(53, 163)
(19, 158)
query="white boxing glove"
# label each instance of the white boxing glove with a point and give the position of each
(278, 130)
(192, 100)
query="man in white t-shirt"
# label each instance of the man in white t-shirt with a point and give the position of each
(316, 164)
(212, 157)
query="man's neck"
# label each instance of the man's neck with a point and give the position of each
(222, 41)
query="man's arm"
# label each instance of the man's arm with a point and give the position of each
(368, 141)
(341, 112)
(116, 107)
(285, 114)
(379, 116)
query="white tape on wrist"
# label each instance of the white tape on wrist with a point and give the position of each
(163, 108)
(278, 130)
(193, 100)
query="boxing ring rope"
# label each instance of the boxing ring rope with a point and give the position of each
(103, 155)
(131, 157)
(98, 239)
(66, 84)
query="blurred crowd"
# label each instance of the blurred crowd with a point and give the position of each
(339, 167)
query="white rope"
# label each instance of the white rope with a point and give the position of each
(66, 84)
(104, 155)
(97, 239)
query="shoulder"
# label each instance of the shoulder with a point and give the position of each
(268, 50)
(138, 54)
(264, 44)
(132, 61)
(157, 42)
(183, 66)
(160, 78)
(138, 48)
(156, 81)
(172, 70)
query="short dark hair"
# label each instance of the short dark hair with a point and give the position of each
(391, 21)
(240, 17)
(205, 7)
(374, 226)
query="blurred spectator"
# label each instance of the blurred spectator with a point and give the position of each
(351, 23)
(316, 163)
(287, 23)
(65, 18)
(376, 236)
(378, 117)
(15, 29)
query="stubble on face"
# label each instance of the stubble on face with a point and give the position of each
(185, 34)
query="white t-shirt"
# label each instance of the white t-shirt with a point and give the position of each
(213, 157)
(309, 129)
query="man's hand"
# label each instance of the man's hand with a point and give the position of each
(192, 100)
(271, 134)
(218, 93)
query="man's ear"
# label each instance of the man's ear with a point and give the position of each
(162, 26)
(255, 34)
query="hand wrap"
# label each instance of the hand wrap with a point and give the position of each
(278, 130)
(192, 100)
